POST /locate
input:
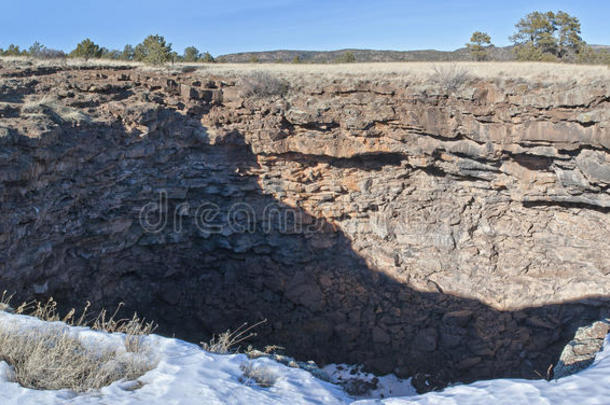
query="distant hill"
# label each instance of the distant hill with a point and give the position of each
(363, 55)
(371, 55)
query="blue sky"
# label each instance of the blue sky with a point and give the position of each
(239, 25)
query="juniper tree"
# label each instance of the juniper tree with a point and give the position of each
(153, 50)
(87, 49)
(13, 50)
(36, 49)
(191, 54)
(128, 53)
(207, 58)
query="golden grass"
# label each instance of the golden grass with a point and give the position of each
(412, 71)
(72, 62)
(47, 311)
(421, 71)
(50, 106)
(228, 341)
(52, 358)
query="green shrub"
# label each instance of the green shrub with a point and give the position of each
(549, 57)
(262, 84)
(207, 58)
(113, 54)
(35, 49)
(128, 53)
(153, 50)
(604, 57)
(13, 50)
(87, 49)
(528, 52)
(39, 51)
(191, 54)
(347, 57)
(589, 55)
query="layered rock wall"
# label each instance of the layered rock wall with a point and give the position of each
(451, 234)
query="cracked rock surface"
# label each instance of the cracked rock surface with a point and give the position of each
(450, 236)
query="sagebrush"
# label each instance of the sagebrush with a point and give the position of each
(451, 77)
(262, 84)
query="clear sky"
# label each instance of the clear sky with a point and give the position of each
(255, 25)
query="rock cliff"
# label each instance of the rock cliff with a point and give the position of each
(449, 232)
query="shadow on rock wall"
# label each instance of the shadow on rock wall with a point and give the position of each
(71, 228)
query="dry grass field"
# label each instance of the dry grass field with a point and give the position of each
(543, 72)
(414, 71)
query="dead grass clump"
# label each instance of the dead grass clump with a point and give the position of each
(47, 311)
(5, 302)
(260, 375)
(262, 84)
(227, 342)
(57, 112)
(450, 77)
(134, 328)
(52, 359)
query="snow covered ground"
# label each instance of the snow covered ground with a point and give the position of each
(186, 374)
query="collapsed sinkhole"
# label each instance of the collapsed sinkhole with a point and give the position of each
(181, 231)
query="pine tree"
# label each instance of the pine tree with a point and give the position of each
(547, 36)
(570, 42)
(478, 45)
(347, 57)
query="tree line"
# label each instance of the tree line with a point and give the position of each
(545, 37)
(154, 50)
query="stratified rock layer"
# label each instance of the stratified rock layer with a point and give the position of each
(451, 235)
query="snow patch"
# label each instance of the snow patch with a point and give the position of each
(185, 374)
